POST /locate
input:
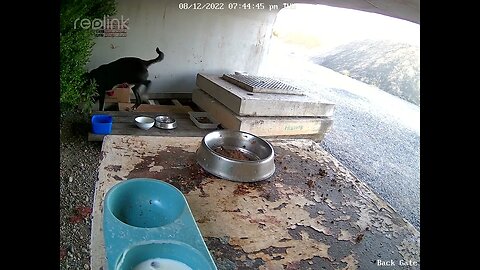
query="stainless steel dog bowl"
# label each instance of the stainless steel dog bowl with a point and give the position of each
(224, 153)
(165, 122)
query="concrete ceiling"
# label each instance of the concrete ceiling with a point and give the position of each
(403, 9)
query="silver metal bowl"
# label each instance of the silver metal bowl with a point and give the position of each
(165, 122)
(236, 156)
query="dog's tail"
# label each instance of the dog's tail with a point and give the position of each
(155, 60)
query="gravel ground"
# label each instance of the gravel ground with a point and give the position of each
(79, 160)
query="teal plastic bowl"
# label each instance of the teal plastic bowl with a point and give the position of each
(145, 204)
(176, 251)
(102, 124)
(148, 219)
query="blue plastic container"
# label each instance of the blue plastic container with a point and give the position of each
(145, 219)
(102, 124)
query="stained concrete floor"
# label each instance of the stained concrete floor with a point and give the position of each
(311, 214)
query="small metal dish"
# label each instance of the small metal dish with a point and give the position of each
(236, 156)
(165, 122)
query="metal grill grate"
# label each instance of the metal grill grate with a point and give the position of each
(258, 84)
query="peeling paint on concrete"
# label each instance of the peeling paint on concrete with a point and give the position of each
(252, 230)
(285, 222)
(351, 263)
(345, 236)
(155, 168)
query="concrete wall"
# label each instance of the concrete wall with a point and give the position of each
(210, 41)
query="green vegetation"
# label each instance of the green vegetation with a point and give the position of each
(76, 45)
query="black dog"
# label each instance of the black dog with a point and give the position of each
(131, 70)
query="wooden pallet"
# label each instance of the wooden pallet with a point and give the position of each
(124, 124)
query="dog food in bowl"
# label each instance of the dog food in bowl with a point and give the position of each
(233, 153)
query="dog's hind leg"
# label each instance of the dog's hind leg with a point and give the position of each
(101, 101)
(138, 99)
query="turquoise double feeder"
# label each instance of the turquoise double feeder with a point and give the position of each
(148, 224)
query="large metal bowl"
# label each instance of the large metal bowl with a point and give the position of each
(260, 165)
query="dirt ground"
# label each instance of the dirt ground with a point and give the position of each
(79, 160)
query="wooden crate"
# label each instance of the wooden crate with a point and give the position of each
(120, 95)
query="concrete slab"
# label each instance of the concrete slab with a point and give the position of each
(262, 125)
(245, 103)
(311, 213)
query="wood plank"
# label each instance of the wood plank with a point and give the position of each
(176, 102)
(151, 132)
(244, 103)
(135, 113)
(155, 108)
(152, 95)
(162, 95)
(130, 119)
(182, 125)
(261, 126)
